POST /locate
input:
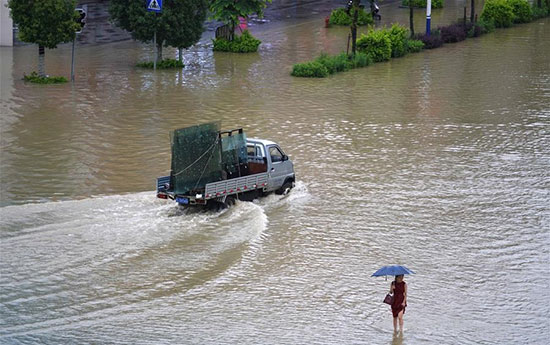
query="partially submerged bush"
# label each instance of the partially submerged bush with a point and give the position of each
(341, 17)
(398, 35)
(541, 12)
(376, 44)
(423, 3)
(35, 78)
(163, 64)
(499, 11)
(522, 11)
(245, 43)
(454, 33)
(312, 69)
(414, 46)
(325, 64)
(432, 41)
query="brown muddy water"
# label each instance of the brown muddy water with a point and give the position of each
(438, 161)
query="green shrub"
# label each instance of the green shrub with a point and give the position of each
(340, 17)
(414, 46)
(541, 12)
(35, 78)
(398, 35)
(164, 64)
(423, 3)
(360, 60)
(522, 11)
(499, 11)
(245, 43)
(312, 69)
(333, 64)
(376, 44)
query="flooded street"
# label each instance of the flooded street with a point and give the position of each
(438, 161)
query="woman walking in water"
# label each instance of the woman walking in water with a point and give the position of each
(399, 289)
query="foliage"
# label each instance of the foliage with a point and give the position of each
(500, 11)
(540, 12)
(376, 44)
(414, 46)
(35, 78)
(398, 35)
(245, 43)
(45, 22)
(423, 3)
(432, 41)
(229, 11)
(341, 17)
(325, 65)
(180, 24)
(163, 64)
(522, 11)
(312, 69)
(453, 33)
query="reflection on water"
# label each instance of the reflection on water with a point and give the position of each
(438, 160)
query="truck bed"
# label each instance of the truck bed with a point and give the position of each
(214, 190)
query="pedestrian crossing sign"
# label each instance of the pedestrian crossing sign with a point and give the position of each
(154, 5)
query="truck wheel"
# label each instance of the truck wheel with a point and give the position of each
(285, 188)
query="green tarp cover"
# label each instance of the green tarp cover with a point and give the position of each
(199, 156)
(196, 157)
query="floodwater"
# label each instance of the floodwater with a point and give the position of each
(438, 161)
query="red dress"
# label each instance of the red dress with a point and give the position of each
(398, 297)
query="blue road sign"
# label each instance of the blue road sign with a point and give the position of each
(154, 5)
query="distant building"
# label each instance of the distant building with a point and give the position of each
(6, 25)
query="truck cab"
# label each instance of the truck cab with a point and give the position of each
(279, 167)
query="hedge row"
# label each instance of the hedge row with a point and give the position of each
(384, 44)
(505, 13)
(376, 46)
(325, 65)
(35, 78)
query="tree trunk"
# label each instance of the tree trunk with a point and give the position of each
(411, 18)
(355, 7)
(159, 51)
(472, 11)
(180, 55)
(41, 54)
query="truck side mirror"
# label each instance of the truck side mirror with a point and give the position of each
(285, 158)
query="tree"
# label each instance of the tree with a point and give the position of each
(186, 23)
(229, 11)
(411, 18)
(180, 24)
(355, 6)
(46, 23)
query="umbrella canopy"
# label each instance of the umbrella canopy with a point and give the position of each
(394, 270)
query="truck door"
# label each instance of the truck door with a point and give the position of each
(280, 167)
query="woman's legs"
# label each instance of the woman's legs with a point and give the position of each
(395, 324)
(400, 316)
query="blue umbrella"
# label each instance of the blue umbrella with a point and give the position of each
(394, 270)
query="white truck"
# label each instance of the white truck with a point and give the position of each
(263, 168)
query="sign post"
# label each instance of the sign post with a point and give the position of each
(154, 6)
(82, 22)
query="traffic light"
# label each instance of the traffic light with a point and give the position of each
(82, 19)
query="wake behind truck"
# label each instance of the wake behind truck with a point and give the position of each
(210, 167)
